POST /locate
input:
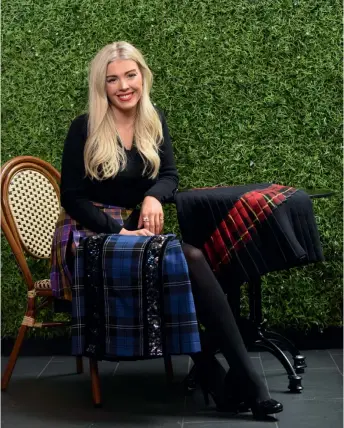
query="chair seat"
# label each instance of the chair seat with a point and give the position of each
(43, 284)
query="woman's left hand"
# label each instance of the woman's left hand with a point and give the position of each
(151, 215)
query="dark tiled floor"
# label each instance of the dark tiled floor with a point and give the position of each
(46, 392)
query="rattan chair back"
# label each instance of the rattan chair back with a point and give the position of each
(30, 203)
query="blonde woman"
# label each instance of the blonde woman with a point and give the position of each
(120, 155)
(128, 156)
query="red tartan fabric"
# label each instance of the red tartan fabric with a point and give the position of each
(239, 226)
(248, 230)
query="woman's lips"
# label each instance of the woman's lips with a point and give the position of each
(126, 97)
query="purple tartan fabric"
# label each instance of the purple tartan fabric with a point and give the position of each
(68, 233)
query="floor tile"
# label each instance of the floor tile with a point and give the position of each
(136, 422)
(47, 392)
(66, 400)
(318, 384)
(32, 421)
(54, 402)
(338, 359)
(155, 367)
(338, 351)
(251, 354)
(138, 393)
(67, 365)
(27, 366)
(234, 422)
(312, 414)
(315, 359)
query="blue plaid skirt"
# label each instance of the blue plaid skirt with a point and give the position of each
(132, 298)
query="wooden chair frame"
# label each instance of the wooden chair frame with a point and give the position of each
(10, 231)
(19, 249)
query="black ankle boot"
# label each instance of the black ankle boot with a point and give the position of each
(211, 376)
(261, 409)
(236, 393)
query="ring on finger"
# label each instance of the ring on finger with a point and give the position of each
(146, 219)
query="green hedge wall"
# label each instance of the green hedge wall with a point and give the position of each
(251, 90)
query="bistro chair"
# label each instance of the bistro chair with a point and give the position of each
(30, 206)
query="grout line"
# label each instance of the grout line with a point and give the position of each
(45, 367)
(209, 421)
(267, 385)
(223, 358)
(183, 418)
(65, 359)
(114, 372)
(335, 363)
(307, 368)
(266, 381)
(184, 405)
(321, 399)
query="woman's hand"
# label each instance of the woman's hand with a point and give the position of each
(151, 215)
(141, 232)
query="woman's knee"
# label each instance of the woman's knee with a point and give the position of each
(192, 254)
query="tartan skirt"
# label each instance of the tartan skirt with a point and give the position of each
(132, 298)
(66, 239)
(249, 230)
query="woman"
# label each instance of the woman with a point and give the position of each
(120, 154)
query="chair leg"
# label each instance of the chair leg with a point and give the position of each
(79, 365)
(95, 383)
(168, 368)
(13, 357)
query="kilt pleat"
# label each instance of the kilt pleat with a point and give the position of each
(247, 231)
(132, 298)
(67, 236)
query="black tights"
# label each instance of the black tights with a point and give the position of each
(215, 314)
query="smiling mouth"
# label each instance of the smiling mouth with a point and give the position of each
(126, 97)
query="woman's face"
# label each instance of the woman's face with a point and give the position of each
(124, 84)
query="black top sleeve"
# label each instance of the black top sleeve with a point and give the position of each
(127, 189)
(73, 193)
(167, 182)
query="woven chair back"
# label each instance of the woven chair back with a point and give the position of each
(31, 203)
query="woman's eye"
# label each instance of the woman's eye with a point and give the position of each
(111, 80)
(132, 75)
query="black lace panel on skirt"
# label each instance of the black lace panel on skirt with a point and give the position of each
(152, 295)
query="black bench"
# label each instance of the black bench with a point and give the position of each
(256, 333)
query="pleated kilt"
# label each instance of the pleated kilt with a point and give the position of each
(247, 231)
(132, 298)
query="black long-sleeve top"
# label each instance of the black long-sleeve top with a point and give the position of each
(127, 189)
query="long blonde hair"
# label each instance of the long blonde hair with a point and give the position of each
(103, 156)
